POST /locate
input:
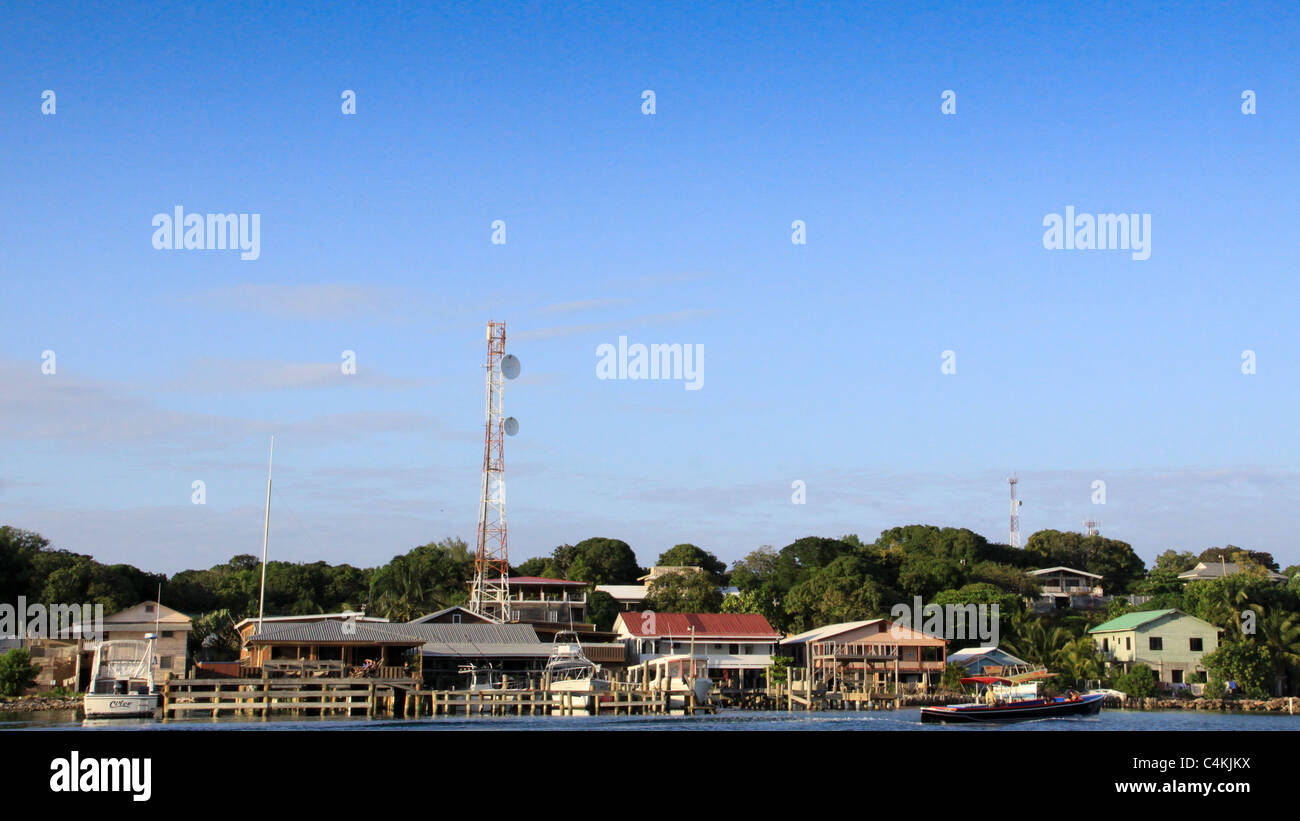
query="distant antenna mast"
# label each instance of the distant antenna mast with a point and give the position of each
(266, 531)
(1015, 513)
(1090, 527)
(491, 592)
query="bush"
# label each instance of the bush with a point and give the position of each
(1139, 682)
(17, 672)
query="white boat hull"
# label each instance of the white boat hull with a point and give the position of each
(102, 705)
(581, 695)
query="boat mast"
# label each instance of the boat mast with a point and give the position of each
(266, 530)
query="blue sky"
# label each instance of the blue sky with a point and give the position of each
(822, 361)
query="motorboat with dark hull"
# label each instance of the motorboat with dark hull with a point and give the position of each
(1009, 700)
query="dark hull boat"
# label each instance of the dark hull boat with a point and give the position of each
(1013, 711)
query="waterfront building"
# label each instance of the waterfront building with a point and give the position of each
(739, 646)
(1170, 642)
(868, 655)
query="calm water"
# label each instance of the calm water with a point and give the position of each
(909, 719)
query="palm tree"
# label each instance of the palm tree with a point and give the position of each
(1280, 634)
(1034, 643)
(400, 594)
(1078, 660)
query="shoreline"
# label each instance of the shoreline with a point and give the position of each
(36, 705)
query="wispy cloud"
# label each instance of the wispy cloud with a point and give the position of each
(226, 375)
(581, 305)
(611, 325)
(325, 301)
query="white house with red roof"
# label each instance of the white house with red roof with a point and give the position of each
(739, 646)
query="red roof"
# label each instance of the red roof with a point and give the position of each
(707, 625)
(544, 580)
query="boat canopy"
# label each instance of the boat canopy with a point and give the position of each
(986, 680)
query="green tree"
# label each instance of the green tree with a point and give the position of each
(1113, 560)
(1034, 641)
(1078, 661)
(684, 592)
(755, 600)
(214, 638)
(1246, 662)
(841, 591)
(1173, 562)
(17, 672)
(781, 668)
(952, 676)
(602, 609)
(1139, 682)
(604, 561)
(688, 555)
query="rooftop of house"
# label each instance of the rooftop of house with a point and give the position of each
(634, 592)
(346, 615)
(1217, 570)
(972, 654)
(1132, 621)
(705, 625)
(1062, 568)
(826, 631)
(329, 631)
(149, 612)
(453, 640)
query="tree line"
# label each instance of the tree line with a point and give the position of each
(808, 583)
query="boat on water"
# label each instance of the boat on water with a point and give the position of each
(684, 678)
(121, 680)
(569, 671)
(1011, 699)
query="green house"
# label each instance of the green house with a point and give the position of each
(1168, 641)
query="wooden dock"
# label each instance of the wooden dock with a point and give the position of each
(346, 697)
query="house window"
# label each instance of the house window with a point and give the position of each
(455, 618)
(1128, 642)
(1176, 676)
(733, 649)
(165, 662)
(167, 634)
(1197, 645)
(148, 608)
(1156, 643)
(1105, 644)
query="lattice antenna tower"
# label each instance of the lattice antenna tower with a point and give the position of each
(1015, 513)
(490, 595)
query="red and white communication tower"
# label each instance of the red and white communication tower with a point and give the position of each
(491, 592)
(1015, 513)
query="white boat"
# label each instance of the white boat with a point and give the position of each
(680, 676)
(568, 670)
(121, 680)
(486, 677)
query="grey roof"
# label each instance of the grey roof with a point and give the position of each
(320, 632)
(970, 655)
(476, 640)
(431, 616)
(1215, 570)
(455, 640)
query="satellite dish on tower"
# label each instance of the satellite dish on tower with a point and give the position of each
(511, 425)
(510, 366)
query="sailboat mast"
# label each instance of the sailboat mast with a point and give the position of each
(266, 530)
